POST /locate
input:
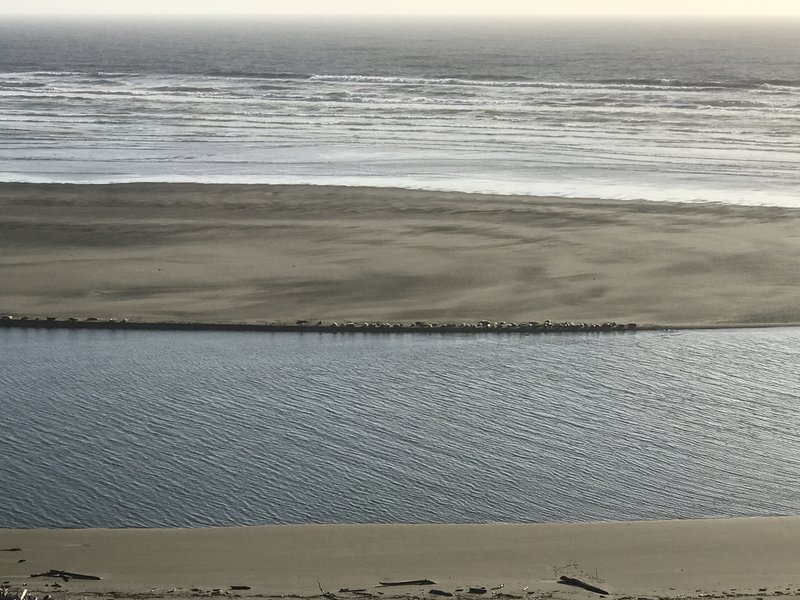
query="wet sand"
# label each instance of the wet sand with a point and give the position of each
(257, 254)
(669, 559)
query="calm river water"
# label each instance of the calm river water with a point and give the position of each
(105, 428)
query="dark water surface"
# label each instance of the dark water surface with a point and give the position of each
(190, 428)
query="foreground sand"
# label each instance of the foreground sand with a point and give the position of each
(262, 253)
(734, 557)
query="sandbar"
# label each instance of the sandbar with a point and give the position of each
(270, 253)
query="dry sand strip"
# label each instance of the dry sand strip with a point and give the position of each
(722, 558)
(258, 253)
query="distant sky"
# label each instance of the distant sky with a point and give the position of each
(733, 8)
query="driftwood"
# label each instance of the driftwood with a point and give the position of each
(66, 575)
(476, 590)
(582, 584)
(439, 593)
(5, 593)
(240, 587)
(408, 582)
(328, 595)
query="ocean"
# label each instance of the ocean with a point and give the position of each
(134, 428)
(668, 110)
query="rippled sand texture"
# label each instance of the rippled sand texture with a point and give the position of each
(229, 253)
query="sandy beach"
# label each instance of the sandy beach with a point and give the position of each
(670, 559)
(228, 253)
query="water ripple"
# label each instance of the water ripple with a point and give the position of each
(191, 429)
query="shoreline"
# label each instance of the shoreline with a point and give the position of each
(393, 186)
(321, 327)
(370, 328)
(256, 255)
(739, 557)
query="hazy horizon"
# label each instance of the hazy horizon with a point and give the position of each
(442, 8)
(788, 21)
